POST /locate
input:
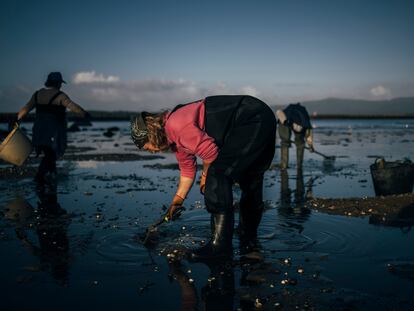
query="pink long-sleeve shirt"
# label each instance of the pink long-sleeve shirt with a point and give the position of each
(185, 130)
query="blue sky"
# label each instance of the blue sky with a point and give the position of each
(132, 55)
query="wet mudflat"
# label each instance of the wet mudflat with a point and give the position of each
(326, 243)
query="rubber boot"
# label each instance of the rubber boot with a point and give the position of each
(220, 244)
(284, 159)
(300, 151)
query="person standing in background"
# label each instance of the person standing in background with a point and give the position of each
(294, 118)
(49, 127)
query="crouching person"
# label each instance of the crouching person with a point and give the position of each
(294, 118)
(234, 136)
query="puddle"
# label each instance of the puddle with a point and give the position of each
(335, 255)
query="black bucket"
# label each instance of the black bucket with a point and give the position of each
(392, 177)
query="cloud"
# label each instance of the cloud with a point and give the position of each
(98, 92)
(149, 94)
(92, 77)
(380, 91)
(249, 90)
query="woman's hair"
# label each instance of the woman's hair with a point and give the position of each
(156, 131)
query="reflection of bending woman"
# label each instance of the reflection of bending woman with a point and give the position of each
(188, 291)
(217, 294)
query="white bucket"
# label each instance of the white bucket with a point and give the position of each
(16, 147)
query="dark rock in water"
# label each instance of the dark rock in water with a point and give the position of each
(83, 123)
(113, 129)
(73, 128)
(108, 133)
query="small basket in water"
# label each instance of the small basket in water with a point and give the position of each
(394, 177)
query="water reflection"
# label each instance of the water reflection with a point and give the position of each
(390, 211)
(50, 223)
(328, 166)
(400, 217)
(189, 299)
(216, 294)
(292, 208)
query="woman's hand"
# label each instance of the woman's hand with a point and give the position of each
(309, 139)
(184, 187)
(21, 113)
(176, 203)
(203, 182)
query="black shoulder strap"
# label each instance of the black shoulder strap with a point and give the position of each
(54, 97)
(178, 107)
(181, 106)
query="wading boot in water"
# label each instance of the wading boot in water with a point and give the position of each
(300, 151)
(284, 159)
(220, 244)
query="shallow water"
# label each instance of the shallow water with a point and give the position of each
(81, 248)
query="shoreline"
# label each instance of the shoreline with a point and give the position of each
(125, 116)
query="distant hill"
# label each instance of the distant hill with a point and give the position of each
(97, 115)
(325, 108)
(355, 107)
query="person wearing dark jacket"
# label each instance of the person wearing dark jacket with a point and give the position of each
(49, 127)
(294, 118)
(235, 138)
